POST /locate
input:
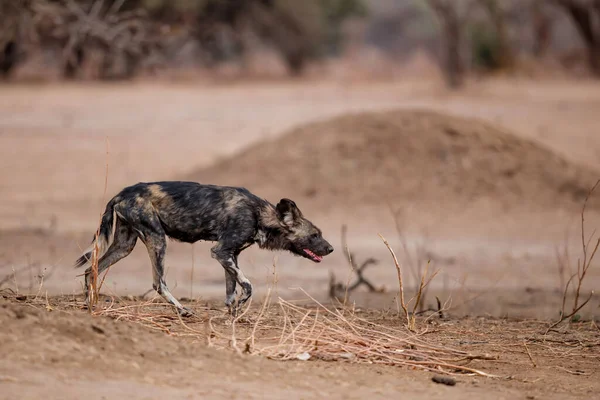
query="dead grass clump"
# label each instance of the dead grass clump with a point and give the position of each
(94, 288)
(317, 332)
(576, 280)
(286, 331)
(424, 282)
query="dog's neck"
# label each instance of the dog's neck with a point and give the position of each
(270, 232)
(271, 238)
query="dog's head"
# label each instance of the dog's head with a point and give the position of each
(302, 237)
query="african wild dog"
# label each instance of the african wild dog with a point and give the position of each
(189, 212)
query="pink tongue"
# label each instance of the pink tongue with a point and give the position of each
(313, 255)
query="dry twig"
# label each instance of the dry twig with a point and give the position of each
(529, 354)
(94, 288)
(425, 280)
(338, 287)
(583, 267)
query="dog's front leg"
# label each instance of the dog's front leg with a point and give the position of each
(229, 262)
(230, 291)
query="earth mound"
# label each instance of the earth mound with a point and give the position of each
(421, 157)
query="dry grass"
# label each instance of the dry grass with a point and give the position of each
(94, 287)
(282, 330)
(304, 330)
(583, 266)
(425, 280)
(285, 330)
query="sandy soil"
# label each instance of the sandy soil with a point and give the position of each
(495, 261)
(65, 353)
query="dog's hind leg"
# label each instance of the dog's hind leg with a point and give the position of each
(228, 259)
(153, 236)
(123, 243)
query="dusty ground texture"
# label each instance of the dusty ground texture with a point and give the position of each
(52, 348)
(487, 183)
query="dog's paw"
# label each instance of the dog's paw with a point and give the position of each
(231, 305)
(185, 312)
(233, 310)
(246, 293)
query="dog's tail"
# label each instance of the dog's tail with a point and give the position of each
(104, 236)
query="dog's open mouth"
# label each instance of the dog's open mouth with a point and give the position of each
(313, 256)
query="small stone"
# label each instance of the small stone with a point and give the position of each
(444, 380)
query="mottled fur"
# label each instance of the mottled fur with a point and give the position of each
(188, 212)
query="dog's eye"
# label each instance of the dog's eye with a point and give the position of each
(314, 236)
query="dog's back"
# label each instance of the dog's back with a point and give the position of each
(189, 211)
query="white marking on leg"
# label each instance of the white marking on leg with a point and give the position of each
(166, 294)
(241, 278)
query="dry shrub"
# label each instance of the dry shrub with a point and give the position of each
(94, 287)
(339, 291)
(576, 280)
(423, 284)
(318, 332)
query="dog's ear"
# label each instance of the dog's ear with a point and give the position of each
(288, 212)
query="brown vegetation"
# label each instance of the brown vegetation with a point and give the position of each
(116, 39)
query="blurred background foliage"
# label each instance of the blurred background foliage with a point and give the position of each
(119, 39)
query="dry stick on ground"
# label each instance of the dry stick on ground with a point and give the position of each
(43, 276)
(415, 264)
(582, 268)
(440, 309)
(94, 288)
(336, 287)
(400, 280)
(563, 261)
(410, 317)
(12, 276)
(529, 354)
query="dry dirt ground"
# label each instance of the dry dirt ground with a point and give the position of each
(487, 184)
(53, 349)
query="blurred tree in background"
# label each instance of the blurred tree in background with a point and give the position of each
(585, 14)
(126, 32)
(452, 16)
(118, 39)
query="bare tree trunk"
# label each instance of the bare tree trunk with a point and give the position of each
(452, 39)
(542, 28)
(8, 59)
(583, 14)
(497, 17)
(454, 61)
(73, 64)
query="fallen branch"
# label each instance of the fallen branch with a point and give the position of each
(336, 287)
